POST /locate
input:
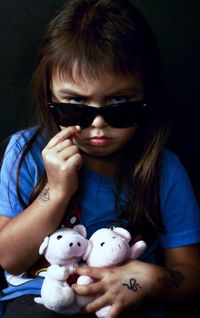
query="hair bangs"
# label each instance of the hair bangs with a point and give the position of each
(75, 65)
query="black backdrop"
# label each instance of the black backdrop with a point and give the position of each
(176, 24)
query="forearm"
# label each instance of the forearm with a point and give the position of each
(176, 284)
(21, 237)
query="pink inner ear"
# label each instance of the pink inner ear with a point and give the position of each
(123, 233)
(81, 230)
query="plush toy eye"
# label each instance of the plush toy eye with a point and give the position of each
(59, 237)
(71, 244)
(102, 243)
(79, 244)
(114, 237)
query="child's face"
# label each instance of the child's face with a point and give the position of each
(99, 138)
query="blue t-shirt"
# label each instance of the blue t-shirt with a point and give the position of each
(179, 209)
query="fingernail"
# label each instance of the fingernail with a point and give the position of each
(78, 127)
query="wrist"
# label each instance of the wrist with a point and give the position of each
(55, 193)
(153, 286)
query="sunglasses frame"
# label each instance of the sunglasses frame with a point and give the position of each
(126, 109)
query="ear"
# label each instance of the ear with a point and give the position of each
(123, 233)
(88, 251)
(138, 249)
(44, 245)
(80, 229)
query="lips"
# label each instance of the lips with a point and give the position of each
(99, 141)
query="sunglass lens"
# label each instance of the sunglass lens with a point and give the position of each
(70, 116)
(124, 115)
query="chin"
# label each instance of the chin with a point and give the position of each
(98, 154)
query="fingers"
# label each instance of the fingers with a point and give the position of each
(94, 272)
(114, 312)
(88, 290)
(102, 300)
(60, 149)
(62, 135)
(97, 304)
(62, 145)
(62, 160)
(68, 152)
(73, 163)
(103, 304)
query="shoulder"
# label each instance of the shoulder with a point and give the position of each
(176, 189)
(169, 159)
(179, 207)
(16, 148)
(171, 167)
(20, 138)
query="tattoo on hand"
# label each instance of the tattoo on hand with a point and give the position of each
(133, 285)
(44, 195)
(173, 279)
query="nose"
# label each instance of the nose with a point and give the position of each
(72, 244)
(99, 122)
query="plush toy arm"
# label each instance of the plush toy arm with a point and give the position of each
(84, 280)
(71, 268)
(84, 300)
(38, 300)
(58, 272)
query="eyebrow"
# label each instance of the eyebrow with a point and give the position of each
(130, 91)
(71, 92)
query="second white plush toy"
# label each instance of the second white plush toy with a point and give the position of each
(107, 248)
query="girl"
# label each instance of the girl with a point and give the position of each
(96, 157)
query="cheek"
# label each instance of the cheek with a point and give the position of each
(78, 139)
(126, 134)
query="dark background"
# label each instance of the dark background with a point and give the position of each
(176, 24)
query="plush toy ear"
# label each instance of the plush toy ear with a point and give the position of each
(44, 245)
(80, 229)
(138, 249)
(123, 233)
(88, 250)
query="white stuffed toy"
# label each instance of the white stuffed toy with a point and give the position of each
(63, 249)
(108, 247)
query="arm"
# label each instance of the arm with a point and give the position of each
(57, 272)
(21, 236)
(127, 286)
(181, 279)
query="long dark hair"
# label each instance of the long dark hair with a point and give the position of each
(109, 37)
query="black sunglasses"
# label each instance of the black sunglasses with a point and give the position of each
(121, 115)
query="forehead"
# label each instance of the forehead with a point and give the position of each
(104, 84)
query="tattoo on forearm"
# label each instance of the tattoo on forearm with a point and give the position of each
(44, 196)
(133, 285)
(172, 279)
